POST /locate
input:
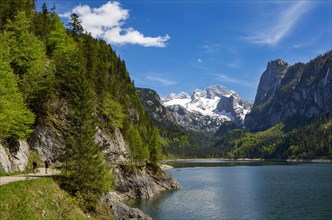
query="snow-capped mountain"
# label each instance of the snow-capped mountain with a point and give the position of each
(211, 107)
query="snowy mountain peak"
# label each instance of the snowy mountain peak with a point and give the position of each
(218, 91)
(173, 96)
(216, 101)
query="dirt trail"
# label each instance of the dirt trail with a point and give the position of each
(39, 173)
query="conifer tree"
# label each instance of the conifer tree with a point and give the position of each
(75, 24)
(42, 22)
(86, 172)
(155, 146)
(138, 149)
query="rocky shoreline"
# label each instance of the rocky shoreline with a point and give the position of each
(136, 182)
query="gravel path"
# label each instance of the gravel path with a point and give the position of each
(40, 173)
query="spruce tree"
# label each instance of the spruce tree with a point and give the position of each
(75, 24)
(155, 146)
(87, 175)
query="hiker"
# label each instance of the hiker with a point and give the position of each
(34, 165)
(47, 164)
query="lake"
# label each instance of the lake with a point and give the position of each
(244, 190)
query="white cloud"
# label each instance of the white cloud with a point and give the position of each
(271, 32)
(163, 82)
(120, 36)
(199, 60)
(107, 23)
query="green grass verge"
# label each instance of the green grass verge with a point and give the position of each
(38, 199)
(3, 173)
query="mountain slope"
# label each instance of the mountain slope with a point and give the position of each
(180, 140)
(205, 110)
(293, 94)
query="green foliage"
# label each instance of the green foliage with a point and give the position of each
(71, 82)
(309, 142)
(138, 149)
(10, 8)
(178, 144)
(3, 173)
(87, 175)
(244, 144)
(58, 37)
(113, 112)
(42, 22)
(15, 118)
(155, 146)
(29, 62)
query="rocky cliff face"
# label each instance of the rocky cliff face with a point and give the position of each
(14, 157)
(292, 94)
(153, 105)
(270, 80)
(142, 182)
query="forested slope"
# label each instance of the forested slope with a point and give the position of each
(72, 85)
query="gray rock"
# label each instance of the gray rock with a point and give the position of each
(14, 158)
(292, 94)
(49, 143)
(121, 211)
(113, 146)
(270, 80)
(142, 182)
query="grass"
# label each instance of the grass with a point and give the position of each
(39, 199)
(3, 173)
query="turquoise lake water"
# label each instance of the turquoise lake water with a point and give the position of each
(244, 190)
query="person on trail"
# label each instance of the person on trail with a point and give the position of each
(47, 164)
(34, 166)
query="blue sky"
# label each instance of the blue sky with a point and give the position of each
(181, 45)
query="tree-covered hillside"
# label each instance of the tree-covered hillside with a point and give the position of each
(312, 141)
(42, 63)
(72, 83)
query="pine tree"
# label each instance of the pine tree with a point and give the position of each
(87, 175)
(138, 149)
(75, 24)
(155, 146)
(42, 22)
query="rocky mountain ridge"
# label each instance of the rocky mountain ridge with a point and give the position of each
(205, 110)
(293, 94)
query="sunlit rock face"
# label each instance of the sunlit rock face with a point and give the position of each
(292, 93)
